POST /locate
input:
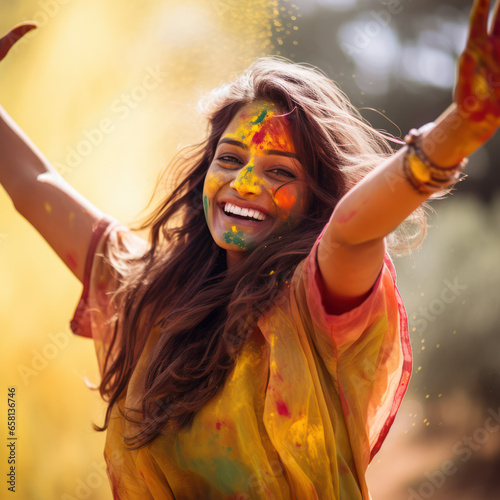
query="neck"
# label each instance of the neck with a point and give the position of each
(233, 258)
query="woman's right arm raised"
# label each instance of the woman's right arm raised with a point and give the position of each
(55, 209)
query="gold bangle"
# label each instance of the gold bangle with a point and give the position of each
(424, 176)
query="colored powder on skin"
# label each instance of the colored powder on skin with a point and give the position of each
(235, 238)
(218, 426)
(260, 118)
(272, 135)
(258, 137)
(48, 208)
(206, 204)
(283, 199)
(71, 261)
(213, 183)
(347, 218)
(250, 180)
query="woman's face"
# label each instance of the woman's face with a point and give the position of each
(255, 184)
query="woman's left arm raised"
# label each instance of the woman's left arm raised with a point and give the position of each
(351, 252)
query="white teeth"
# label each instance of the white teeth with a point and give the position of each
(229, 208)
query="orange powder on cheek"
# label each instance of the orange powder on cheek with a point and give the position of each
(283, 198)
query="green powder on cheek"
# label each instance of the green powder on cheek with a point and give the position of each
(236, 238)
(206, 206)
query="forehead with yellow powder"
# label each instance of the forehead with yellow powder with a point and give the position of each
(261, 127)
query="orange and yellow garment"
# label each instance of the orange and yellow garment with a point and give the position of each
(305, 409)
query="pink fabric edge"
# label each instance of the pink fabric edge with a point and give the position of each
(98, 228)
(331, 319)
(316, 287)
(405, 375)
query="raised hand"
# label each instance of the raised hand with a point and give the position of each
(477, 92)
(18, 31)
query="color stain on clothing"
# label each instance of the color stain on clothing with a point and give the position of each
(226, 474)
(236, 238)
(282, 409)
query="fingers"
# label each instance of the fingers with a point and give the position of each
(18, 31)
(479, 19)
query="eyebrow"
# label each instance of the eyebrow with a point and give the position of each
(234, 142)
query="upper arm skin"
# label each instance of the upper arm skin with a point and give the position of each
(348, 271)
(61, 215)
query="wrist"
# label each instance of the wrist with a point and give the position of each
(455, 137)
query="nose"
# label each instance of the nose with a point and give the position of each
(247, 182)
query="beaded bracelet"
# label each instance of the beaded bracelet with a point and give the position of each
(423, 175)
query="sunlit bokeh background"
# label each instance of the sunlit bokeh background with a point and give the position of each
(107, 90)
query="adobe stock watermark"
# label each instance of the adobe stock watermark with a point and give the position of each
(372, 29)
(93, 480)
(47, 11)
(436, 307)
(463, 450)
(120, 109)
(41, 357)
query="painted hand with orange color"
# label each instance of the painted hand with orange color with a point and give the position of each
(17, 32)
(477, 91)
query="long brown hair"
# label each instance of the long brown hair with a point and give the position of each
(181, 284)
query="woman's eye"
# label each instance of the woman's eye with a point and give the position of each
(228, 159)
(283, 172)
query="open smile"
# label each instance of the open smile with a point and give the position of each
(244, 214)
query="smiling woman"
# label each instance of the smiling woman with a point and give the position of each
(256, 345)
(255, 184)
